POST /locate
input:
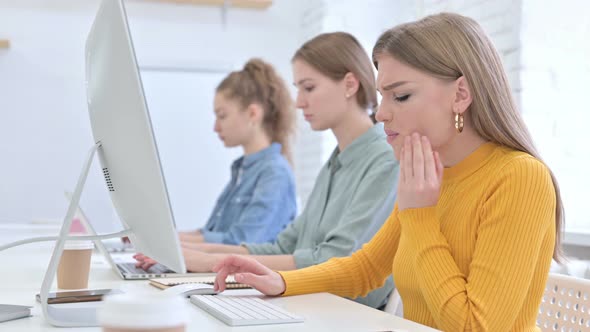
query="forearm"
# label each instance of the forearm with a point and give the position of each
(225, 249)
(191, 237)
(365, 270)
(199, 262)
(216, 248)
(277, 262)
(204, 262)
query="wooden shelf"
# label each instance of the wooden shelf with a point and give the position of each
(4, 43)
(251, 4)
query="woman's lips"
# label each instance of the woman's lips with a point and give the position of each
(391, 135)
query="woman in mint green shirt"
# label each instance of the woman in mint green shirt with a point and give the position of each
(253, 109)
(354, 191)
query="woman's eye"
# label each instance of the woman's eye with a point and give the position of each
(401, 99)
(309, 88)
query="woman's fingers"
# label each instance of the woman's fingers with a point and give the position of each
(248, 271)
(407, 159)
(139, 257)
(222, 274)
(402, 177)
(417, 160)
(236, 264)
(420, 173)
(440, 168)
(430, 166)
(143, 261)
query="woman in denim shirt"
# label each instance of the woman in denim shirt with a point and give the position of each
(254, 110)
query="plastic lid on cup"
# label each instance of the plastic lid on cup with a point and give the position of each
(78, 245)
(143, 310)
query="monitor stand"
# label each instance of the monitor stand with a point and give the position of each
(74, 314)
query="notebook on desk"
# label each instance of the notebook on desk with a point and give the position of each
(10, 312)
(163, 283)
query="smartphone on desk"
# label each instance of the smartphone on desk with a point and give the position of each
(88, 295)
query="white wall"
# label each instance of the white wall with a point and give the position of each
(44, 127)
(309, 144)
(500, 19)
(555, 81)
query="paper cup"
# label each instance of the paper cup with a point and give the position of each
(74, 265)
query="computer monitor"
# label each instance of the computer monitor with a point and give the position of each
(121, 123)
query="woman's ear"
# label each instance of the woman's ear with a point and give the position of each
(463, 97)
(351, 84)
(255, 113)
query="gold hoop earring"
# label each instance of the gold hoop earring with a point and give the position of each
(459, 123)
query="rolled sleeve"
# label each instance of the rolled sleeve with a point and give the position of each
(285, 243)
(305, 257)
(212, 237)
(263, 249)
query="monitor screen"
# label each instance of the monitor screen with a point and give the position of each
(121, 123)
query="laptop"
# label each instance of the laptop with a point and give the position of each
(123, 264)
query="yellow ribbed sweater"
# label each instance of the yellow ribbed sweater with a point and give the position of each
(477, 261)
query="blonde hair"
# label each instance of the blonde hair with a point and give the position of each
(336, 54)
(449, 46)
(259, 83)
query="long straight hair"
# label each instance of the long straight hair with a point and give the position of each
(449, 46)
(336, 54)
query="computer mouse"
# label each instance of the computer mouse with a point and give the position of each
(190, 289)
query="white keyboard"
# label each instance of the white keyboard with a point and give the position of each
(238, 311)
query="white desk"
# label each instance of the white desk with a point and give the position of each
(322, 312)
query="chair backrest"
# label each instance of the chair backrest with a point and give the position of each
(394, 305)
(565, 306)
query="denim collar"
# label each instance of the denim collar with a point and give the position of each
(251, 159)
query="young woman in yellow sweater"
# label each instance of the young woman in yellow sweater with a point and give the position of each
(478, 213)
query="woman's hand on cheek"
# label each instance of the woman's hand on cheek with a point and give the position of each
(421, 174)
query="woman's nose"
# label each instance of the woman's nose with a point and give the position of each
(382, 115)
(300, 102)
